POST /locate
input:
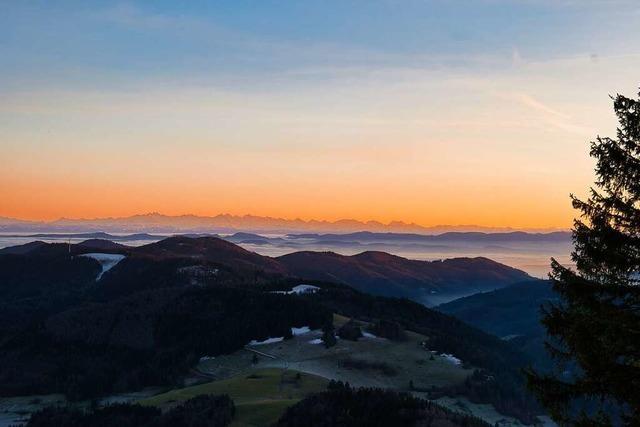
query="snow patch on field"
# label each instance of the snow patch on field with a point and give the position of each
(107, 261)
(304, 289)
(451, 358)
(294, 331)
(300, 289)
(300, 331)
(369, 335)
(510, 337)
(316, 341)
(267, 341)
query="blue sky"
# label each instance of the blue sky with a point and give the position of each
(120, 43)
(454, 107)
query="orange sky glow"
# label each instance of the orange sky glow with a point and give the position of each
(209, 113)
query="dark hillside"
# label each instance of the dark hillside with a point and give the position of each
(101, 245)
(499, 379)
(149, 338)
(380, 273)
(21, 249)
(512, 313)
(344, 406)
(514, 310)
(377, 273)
(38, 276)
(210, 249)
(150, 318)
(199, 411)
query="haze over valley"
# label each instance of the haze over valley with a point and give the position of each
(528, 250)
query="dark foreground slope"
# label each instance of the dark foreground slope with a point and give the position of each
(344, 406)
(200, 411)
(340, 405)
(147, 338)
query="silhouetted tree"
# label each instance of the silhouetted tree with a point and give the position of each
(389, 329)
(350, 331)
(199, 411)
(595, 328)
(328, 336)
(344, 406)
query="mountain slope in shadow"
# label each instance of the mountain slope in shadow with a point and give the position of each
(512, 313)
(427, 282)
(379, 273)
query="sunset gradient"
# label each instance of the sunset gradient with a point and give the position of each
(307, 111)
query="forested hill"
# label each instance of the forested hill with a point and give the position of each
(342, 405)
(149, 318)
(376, 273)
(379, 273)
(513, 313)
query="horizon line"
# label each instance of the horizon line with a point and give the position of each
(310, 221)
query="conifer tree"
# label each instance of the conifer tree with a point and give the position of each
(594, 328)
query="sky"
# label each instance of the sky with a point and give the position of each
(426, 111)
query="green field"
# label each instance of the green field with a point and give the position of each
(339, 320)
(260, 396)
(263, 392)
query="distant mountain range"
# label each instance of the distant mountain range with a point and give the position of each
(225, 223)
(347, 239)
(379, 273)
(451, 236)
(527, 251)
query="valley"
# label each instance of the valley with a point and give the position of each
(187, 314)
